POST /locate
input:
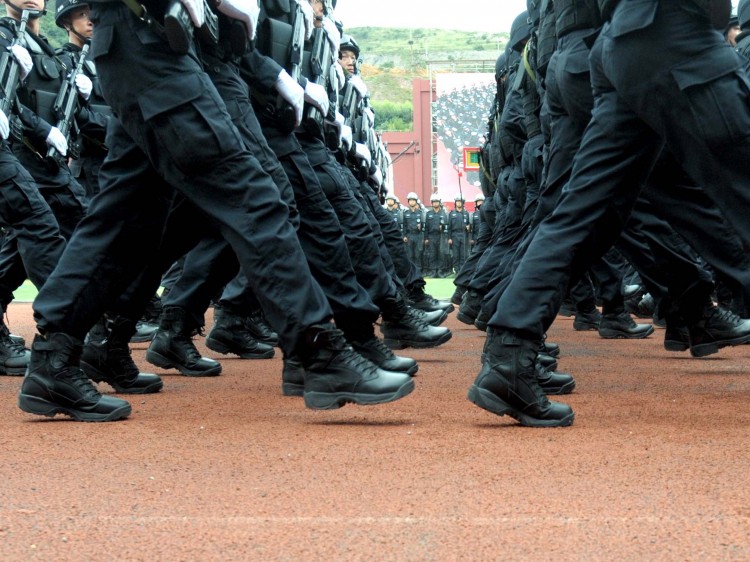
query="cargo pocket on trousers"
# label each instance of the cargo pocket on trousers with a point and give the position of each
(718, 95)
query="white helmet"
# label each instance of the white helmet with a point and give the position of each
(412, 195)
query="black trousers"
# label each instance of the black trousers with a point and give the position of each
(174, 133)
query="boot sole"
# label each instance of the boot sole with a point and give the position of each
(97, 375)
(617, 335)
(704, 349)
(585, 327)
(41, 407)
(220, 347)
(465, 318)
(164, 363)
(292, 389)
(334, 400)
(13, 371)
(142, 339)
(401, 344)
(673, 345)
(490, 402)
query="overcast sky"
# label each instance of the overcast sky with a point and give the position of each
(470, 15)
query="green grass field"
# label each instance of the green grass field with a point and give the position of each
(438, 288)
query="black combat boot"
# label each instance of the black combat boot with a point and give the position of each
(508, 384)
(716, 328)
(434, 318)
(55, 384)
(173, 347)
(14, 357)
(146, 327)
(260, 330)
(482, 319)
(402, 327)
(550, 349)
(292, 376)
(335, 374)
(587, 320)
(458, 295)
(471, 306)
(106, 358)
(380, 354)
(553, 382)
(230, 335)
(419, 299)
(622, 326)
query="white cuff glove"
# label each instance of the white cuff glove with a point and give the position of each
(292, 92)
(359, 85)
(195, 10)
(24, 60)
(340, 76)
(316, 95)
(84, 85)
(309, 16)
(363, 152)
(57, 140)
(332, 34)
(4, 126)
(346, 137)
(246, 11)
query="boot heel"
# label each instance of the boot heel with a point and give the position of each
(487, 401)
(38, 406)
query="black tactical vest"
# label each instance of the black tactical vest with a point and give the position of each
(572, 15)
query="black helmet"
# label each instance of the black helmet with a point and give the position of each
(743, 14)
(520, 31)
(349, 44)
(63, 7)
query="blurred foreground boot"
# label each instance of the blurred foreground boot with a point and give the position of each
(173, 347)
(508, 384)
(622, 326)
(106, 358)
(335, 374)
(717, 328)
(14, 357)
(230, 334)
(55, 384)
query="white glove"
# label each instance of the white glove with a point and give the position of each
(332, 34)
(309, 16)
(316, 95)
(340, 76)
(292, 92)
(195, 10)
(359, 85)
(346, 137)
(363, 152)
(57, 140)
(370, 115)
(377, 177)
(246, 11)
(24, 60)
(84, 85)
(4, 126)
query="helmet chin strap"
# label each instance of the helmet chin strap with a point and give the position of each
(83, 38)
(33, 14)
